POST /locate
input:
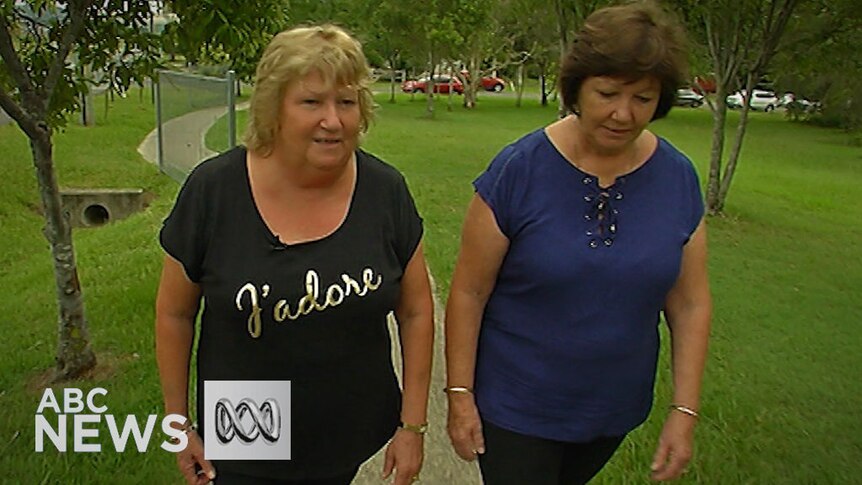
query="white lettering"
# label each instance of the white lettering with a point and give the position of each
(73, 396)
(48, 400)
(91, 405)
(130, 426)
(174, 433)
(79, 433)
(58, 436)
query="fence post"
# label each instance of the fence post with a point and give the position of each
(157, 89)
(231, 109)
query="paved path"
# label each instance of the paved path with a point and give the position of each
(4, 118)
(442, 466)
(184, 138)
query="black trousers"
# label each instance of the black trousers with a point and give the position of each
(515, 459)
(234, 479)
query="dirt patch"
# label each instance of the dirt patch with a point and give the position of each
(107, 366)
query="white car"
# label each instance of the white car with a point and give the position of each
(688, 97)
(761, 100)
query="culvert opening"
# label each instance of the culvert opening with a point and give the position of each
(96, 215)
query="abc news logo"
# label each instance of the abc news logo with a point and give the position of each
(87, 411)
(247, 420)
(244, 431)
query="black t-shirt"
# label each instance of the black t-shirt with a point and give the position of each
(323, 307)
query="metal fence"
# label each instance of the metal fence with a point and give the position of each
(187, 106)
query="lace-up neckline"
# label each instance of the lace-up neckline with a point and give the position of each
(601, 212)
(602, 205)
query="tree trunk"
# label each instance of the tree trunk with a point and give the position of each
(736, 149)
(543, 80)
(449, 94)
(719, 116)
(562, 26)
(74, 355)
(471, 84)
(392, 71)
(430, 88)
(520, 92)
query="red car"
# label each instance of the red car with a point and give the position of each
(489, 83)
(493, 83)
(441, 85)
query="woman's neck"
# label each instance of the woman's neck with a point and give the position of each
(278, 170)
(571, 141)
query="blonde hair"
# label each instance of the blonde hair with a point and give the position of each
(289, 57)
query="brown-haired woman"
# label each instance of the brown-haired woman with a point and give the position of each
(579, 235)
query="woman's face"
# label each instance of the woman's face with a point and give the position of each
(319, 123)
(614, 111)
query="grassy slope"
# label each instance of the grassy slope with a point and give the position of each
(781, 397)
(118, 268)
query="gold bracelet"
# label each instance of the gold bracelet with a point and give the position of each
(458, 390)
(189, 426)
(419, 429)
(684, 410)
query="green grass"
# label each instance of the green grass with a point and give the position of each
(782, 395)
(118, 267)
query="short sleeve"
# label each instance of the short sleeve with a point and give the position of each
(497, 186)
(695, 199)
(408, 223)
(183, 232)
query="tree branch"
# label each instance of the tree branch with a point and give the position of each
(76, 10)
(33, 25)
(13, 62)
(24, 120)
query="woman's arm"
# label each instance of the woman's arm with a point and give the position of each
(483, 247)
(177, 304)
(688, 310)
(415, 316)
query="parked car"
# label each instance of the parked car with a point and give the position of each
(761, 100)
(493, 83)
(441, 85)
(687, 97)
(704, 84)
(489, 83)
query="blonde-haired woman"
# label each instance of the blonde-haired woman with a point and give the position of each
(300, 244)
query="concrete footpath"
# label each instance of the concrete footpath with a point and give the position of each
(442, 466)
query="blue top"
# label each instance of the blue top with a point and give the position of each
(569, 337)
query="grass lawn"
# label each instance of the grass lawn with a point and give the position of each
(782, 395)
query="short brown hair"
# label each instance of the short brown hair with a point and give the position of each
(289, 57)
(632, 41)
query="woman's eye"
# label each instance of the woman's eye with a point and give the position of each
(310, 101)
(348, 101)
(644, 99)
(606, 94)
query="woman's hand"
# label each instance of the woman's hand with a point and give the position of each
(191, 462)
(465, 427)
(404, 455)
(675, 447)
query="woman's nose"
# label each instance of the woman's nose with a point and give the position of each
(330, 117)
(623, 110)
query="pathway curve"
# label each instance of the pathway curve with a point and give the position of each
(442, 466)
